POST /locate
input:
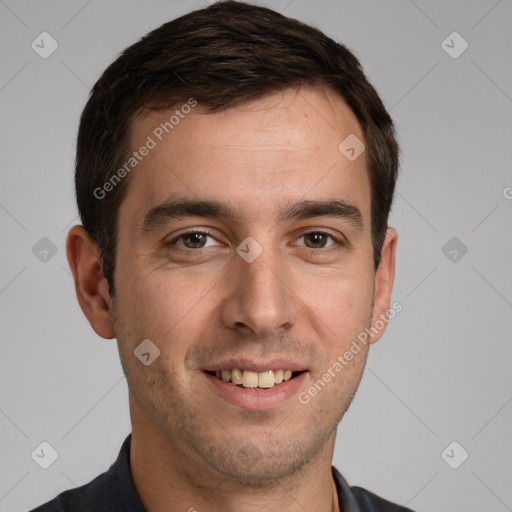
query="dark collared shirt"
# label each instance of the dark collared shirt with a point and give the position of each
(114, 491)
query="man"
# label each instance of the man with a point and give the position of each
(234, 175)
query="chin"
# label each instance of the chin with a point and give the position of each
(260, 464)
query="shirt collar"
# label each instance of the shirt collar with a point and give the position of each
(346, 499)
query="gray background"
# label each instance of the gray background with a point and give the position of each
(441, 373)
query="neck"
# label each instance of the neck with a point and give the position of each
(168, 477)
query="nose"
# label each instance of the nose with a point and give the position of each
(261, 301)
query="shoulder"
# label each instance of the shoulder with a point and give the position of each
(112, 491)
(80, 499)
(51, 506)
(369, 502)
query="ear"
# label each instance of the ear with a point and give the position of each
(90, 286)
(384, 278)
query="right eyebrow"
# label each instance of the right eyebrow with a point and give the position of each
(179, 208)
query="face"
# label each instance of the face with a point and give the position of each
(257, 280)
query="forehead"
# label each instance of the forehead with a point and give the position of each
(256, 157)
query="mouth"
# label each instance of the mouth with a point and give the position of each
(254, 380)
(256, 385)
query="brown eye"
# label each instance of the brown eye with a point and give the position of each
(317, 239)
(193, 240)
(196, 240)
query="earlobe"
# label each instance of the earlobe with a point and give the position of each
(90, 286)
(384, 278)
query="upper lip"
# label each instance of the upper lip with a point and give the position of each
(256, 366)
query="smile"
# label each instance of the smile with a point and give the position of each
(252, 379)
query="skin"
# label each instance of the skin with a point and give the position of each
(298, 299)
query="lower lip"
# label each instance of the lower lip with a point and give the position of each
(257, 399)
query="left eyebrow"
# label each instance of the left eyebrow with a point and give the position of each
(335, 208)
(180, 208)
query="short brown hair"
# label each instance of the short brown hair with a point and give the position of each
(222, 56)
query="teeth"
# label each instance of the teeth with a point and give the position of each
(236, 377)
(266, 379)
(248, 379)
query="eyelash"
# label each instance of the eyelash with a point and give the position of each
(337, 242)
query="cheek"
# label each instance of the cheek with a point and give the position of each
(142, 312)
(166, 307)
(344, 306)
(147, 309)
